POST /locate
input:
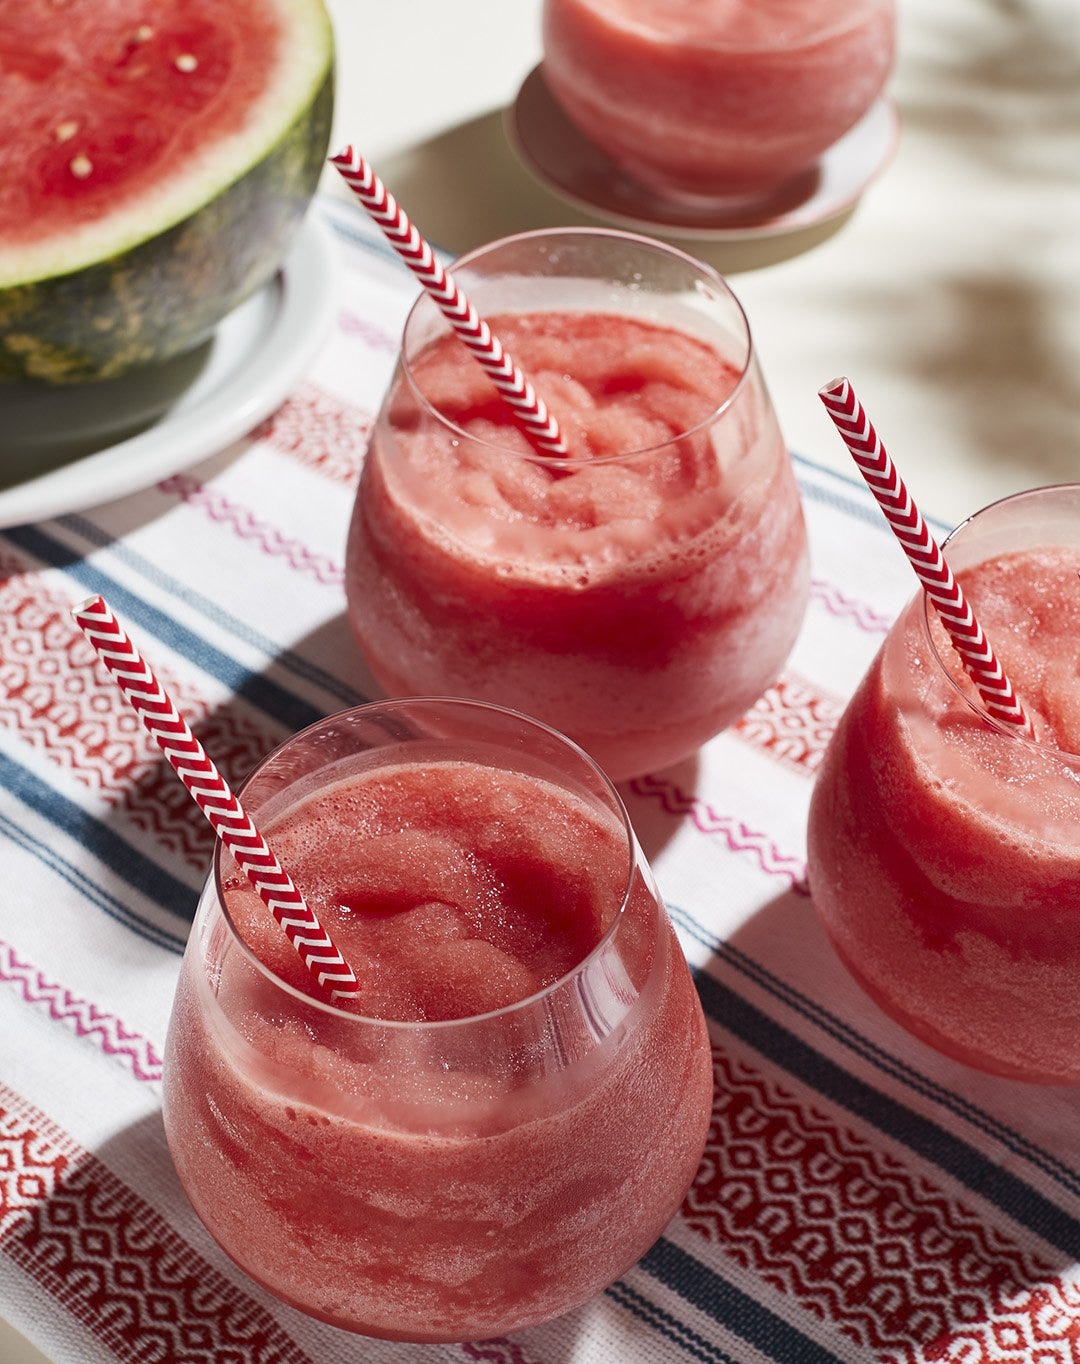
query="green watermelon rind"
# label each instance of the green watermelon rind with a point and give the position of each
(165, 295)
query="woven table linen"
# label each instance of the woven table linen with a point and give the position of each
(861, 1198)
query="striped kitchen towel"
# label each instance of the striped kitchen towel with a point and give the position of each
(861, 1197)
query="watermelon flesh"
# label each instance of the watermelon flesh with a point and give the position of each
(126, 120)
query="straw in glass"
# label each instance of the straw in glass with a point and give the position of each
(924, 554)
(214, 798)
(524, 402)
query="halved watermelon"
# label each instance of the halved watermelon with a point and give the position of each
(157, 157)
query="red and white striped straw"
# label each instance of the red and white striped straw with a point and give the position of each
(924, 553)
(525, 403)
(214, 798)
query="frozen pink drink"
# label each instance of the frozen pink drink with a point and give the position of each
(516, 1103)
(640, 600)
(713, 98)
(944, 848)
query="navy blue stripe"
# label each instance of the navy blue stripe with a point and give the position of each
(957, 1158)
(899, 1070)
(132, 866)
(337, 214)
(858, 501)
(97, 895)
(668, 1326)
(236, 628)
(260, 691)
(886, 1062)
(724, 1302)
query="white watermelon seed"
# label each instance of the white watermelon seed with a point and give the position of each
(81, 166)
(186, 62)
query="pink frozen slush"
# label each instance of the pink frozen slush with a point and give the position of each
(716, 97)
(391, 1180)
(641, 603)
(944, 852)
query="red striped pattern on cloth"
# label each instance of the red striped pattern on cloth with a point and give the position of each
(862, 1241)
(82, 1017)
(792, 721)
(130, 1279)
(55, 697)
(755, 1216)
(784, 1190)
(319, 431)
(113, 1262)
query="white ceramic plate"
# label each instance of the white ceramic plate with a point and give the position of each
(65, 448)
(556, 154)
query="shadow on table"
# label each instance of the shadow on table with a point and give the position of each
(333, 649)
(1008, 378)
(661, 802)
(321, 672)
(1007, 106)
(1021, 69)
(940, 1215)
(465, 187)
(48, 425)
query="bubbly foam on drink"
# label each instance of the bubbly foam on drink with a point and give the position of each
(640, 603)
(635, 386)
(1028, 603)
(1031, 600)
(452, 889)
(619, 384)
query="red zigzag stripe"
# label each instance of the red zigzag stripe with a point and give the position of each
(923, 552)
(247, 526)
(737, 835)
(137, 1053)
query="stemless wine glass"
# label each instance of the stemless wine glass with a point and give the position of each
(440, 1178)
(638, 595)
(944, 847)
(711, 103)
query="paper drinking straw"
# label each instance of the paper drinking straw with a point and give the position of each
(214, 798)
(525, 403)
(924, 553)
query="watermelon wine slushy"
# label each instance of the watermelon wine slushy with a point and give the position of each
(945, 848)
(640, 598)
(710, 99)
(517, 1101)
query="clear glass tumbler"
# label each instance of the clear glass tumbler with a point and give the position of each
(422, 1175)
(944, 846)
(637, 596)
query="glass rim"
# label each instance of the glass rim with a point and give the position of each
(702, 269)
(331, 1010)
(1015, 732)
